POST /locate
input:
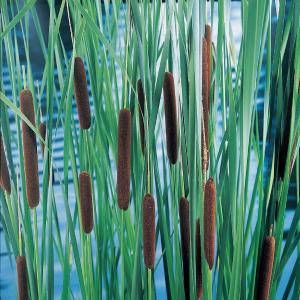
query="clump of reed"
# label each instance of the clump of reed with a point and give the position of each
(149, 230)
(209, 221)
(30, 150)
(141, 98)
(124, 157)
(86, 202)
(170, 117)
(4, 173)
(265, 268)
(199, 288)
(184, 216)
(81, 94)
(22, 277)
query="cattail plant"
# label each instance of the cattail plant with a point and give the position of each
(141, 98)
(199, 287)
(208, 54)
(22, 277)
(149, 231)
(265, 268)
(81, 94)
(86, 202)
(43, 131)
(205, 104)
(4, 173)
(30, 150)
(124, 150)
(184, 215)
(170, 117)
(209, 221)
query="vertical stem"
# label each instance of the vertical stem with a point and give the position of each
(122, 254)
(149, 283)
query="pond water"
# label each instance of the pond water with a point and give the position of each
(7, 265)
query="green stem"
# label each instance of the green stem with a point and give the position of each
(122, 254)
(149, 283)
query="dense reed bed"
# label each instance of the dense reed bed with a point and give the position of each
(156, 101)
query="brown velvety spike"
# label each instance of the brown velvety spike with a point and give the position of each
(208, 52)
(4, 173)
(43, 130)
(170, 117)
(30, 150)
(141, 98)
(265, 268)
(86, 202)
(22, 278)
(124, 153)
(198, 262)
(184, 215)
(209, 221)
(81, 94)
(205, 94)
(149, 231)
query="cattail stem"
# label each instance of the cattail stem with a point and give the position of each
(4, 173)
(86, 202)
(184, 215)
(205, 104)
(22, 278)
(30, 150)
(209, 221)
(199, 288)
(149, 231)
(170, 117)
(265, 268)
(81, 94)
(141, 98)
(124, 150)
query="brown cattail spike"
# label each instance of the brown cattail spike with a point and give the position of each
(208, 52)
(22, 277)
(184, 215)
(265, 268)
(43, 130)
(170, 117)
(141, 98)
(86, 202)
(4, 173)
(124, 149)
(205, 102)
(198, 262)
(30, 150)
(209, 221)
(81, 94)
(149, 231)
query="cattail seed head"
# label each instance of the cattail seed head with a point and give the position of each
(265, 268)
(209, 221)
(81, 94)
(4, 173)
(170, 117)
(184, 216)
(22, 277)
(30, 150)
(141, 98)
(205, 99)
(124, 150)
(208, 52)
(198, 262)
(149, 231)
(43, 130)
(86, 202)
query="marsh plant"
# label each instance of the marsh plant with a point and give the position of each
(170, 175)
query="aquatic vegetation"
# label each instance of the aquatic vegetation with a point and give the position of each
(174, 145)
